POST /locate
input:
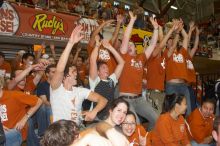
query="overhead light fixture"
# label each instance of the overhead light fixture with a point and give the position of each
(168, 1)
(153, 15)
(127, 7)
(116, 3)
(173, 7)
(146, 13)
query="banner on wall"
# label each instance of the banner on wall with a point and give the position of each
(34, 23)
(138, 36)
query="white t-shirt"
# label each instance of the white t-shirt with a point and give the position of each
(67, 104)
(94, 83)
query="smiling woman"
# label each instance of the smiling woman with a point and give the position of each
(136, 134)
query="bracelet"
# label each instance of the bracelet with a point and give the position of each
(156, 28)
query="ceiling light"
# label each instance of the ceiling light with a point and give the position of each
(173, 7)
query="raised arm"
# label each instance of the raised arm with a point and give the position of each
(161, 36)
(127, 33)
(117, 56)
(196, 43)
(52, 49)
(58, 76)
(185, 38)
(165, 39)
(191, 29)
(97, 30)
(40, 72)
(12, 83)
(39, 52)
(148, 51)
(93, 73)
(176, 39)
(76, 55)
(117, 29)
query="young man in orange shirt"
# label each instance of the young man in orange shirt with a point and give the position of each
(130, 82)
(190, 67)
(200, 123)
(176, 68)
(16, 108)
(103, 53)
(156, 66)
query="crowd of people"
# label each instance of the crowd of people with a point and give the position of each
(102, 101)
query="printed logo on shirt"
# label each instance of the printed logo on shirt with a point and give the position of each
(178, 58)
(182, 127)
(3, 113)
(104, 54)
(136, 64)
(163, 63)
(189, 64)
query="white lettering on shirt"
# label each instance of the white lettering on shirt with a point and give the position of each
(104, 55)
(136, 64)
(178, 58)
(3, 111)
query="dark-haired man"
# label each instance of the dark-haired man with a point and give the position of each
(66, 99)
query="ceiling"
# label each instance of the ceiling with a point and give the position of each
(197, 10)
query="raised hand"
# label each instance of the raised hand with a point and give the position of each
(78, 49)
(175, 24)
(120, 18)
(191, 25)
(132, 16)
(154, 22)
(142, 139)
(52, 47)
(76, 35)
(198, 31)
(106, 44)
(180, 25)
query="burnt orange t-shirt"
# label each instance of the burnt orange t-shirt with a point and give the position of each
(156, 73)
(29, 86)
(131, 77)
(199, 127)
(134, 138)
(105, 55)
(6, 67)
(169, 132)
(190, 70)
(176, 65)
(14, 106)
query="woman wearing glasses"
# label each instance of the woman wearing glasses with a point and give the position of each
(136, 134)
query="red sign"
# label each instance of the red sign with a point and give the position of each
(34, 23)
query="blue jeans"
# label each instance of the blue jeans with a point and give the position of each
(13, 137)
(143, 108)
(42, 119)
(32, 138)
(194, 143)
(192, 98)
(180, 88)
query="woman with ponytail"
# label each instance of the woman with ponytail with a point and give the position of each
(170, 127)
